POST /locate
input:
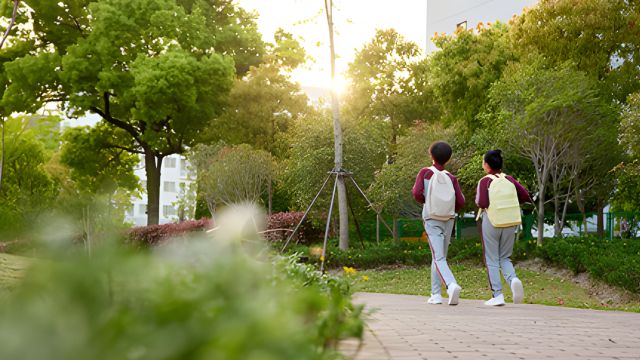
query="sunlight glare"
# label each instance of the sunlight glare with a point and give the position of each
(340, 85)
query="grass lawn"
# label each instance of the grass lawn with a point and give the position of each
(539, 288)
(12, 269)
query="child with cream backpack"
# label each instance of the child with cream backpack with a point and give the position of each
(499, 197)
(439, 192)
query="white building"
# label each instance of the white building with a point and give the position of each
(445, 16)
(177, 179)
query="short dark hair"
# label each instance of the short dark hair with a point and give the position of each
(441, 152)
(494, 159)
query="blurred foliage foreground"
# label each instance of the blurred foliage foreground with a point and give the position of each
(217, 297)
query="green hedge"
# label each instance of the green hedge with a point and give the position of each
(616, 262)
(389, 253)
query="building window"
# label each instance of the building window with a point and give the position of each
(170, 163)
(183, 167)
(461, 25)
(169, 186)
(142, 209)
(168, 210)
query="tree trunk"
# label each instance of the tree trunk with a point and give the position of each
(600, 220)
(87, 228)
(270, 199)
(557, 231)
(343, 213)
(337, 137)
(153, 171)
(583, 211)
(563, 217)
(14, 13)
(2, 155)
(211, 205)
(541, 215)
(395, 230)
(391, 157)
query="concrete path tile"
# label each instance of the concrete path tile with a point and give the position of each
(406, 327)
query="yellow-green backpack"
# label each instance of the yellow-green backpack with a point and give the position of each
(504, 207)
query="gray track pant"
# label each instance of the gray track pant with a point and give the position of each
(439, 236)
(497, 245)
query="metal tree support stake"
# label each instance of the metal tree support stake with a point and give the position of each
(337, 173)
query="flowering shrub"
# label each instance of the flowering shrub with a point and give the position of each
(307, 233)
(144, 236)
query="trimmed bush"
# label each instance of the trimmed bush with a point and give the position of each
(277, 223)
(307, 233)
(145, 236)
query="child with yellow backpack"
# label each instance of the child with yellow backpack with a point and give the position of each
(499, 197)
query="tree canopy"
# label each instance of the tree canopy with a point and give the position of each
(383, 88)
(464, 68)
(158, 70)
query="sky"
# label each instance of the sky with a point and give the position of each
(357, 20)
(355, 24)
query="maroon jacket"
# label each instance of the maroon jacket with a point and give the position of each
(426, 173)
(482, 192)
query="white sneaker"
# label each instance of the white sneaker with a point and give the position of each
(517, 290)
(435, 299)
(454, 293)
(496, 301)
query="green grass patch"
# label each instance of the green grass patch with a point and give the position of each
(12, 269)
(539, 288)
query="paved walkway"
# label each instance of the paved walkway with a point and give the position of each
(406, 327)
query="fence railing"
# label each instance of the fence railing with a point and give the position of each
(616, 225)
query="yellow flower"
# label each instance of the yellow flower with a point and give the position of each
(365, 278)
(349, 270)
(321, 258)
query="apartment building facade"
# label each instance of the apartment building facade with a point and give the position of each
(176, 181)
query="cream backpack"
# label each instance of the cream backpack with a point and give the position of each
(504, 207)
(440, 199)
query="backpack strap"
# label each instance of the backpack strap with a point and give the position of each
(492, 177)
(434, 170)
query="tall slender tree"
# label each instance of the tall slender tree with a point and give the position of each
(337, 136)
(14, 14)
